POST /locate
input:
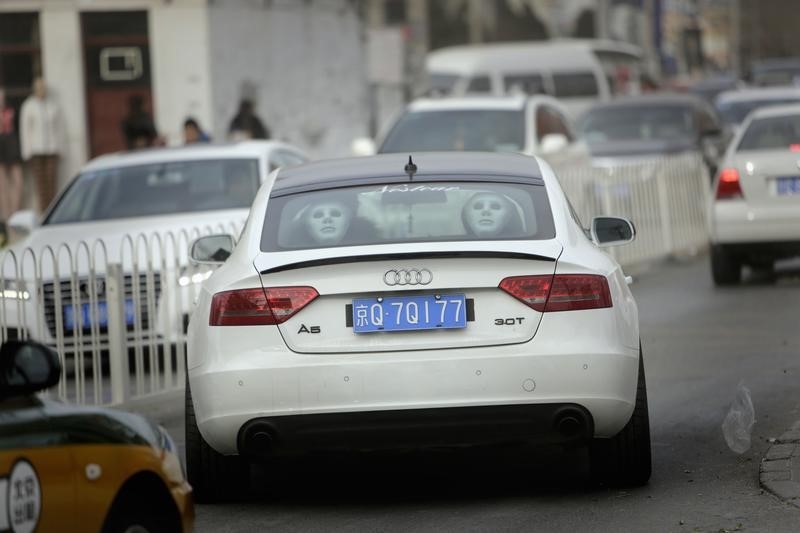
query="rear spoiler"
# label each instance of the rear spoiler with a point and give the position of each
(416, 255)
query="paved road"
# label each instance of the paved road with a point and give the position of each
(699, 344)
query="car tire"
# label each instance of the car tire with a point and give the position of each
(625, 459)
(142, 512)
(725, 268)
(214, 477)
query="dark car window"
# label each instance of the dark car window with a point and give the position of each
(528, 83)
(441, 83)
(483, 130)
(771, 133)
(645, 122)
(574, 84)
(158, 189)
(408, 212)
(479, 84)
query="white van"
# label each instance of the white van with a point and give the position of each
(577, 71)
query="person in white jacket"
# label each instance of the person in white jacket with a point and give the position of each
(40, 141)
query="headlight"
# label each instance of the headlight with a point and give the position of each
(189, 275)
(14, 289)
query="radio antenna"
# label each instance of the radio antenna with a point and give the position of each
(410, 169)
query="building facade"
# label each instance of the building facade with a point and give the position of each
(301, 63)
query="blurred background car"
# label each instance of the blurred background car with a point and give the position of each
(133, 209)
(772, 72)
(535, 125)
(708, 88)
(631, 128)
(755, 211)
(734, 106)
(76, 468)
(577, 71)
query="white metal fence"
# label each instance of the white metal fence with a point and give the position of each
(665, 198)
(117, 312)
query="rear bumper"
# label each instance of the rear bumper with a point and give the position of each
(410, 393)
(734, 222)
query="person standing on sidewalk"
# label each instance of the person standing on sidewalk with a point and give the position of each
(40, 140)
(10, 167)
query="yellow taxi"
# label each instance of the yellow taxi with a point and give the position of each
(68, 468)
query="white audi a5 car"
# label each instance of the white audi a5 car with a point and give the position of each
(755, 210)
(405, 302)
(134, 209)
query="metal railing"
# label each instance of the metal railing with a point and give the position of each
(666, 198)
(118, 317)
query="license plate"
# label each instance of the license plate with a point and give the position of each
(408, 313)
(788, 186)
(91, 315)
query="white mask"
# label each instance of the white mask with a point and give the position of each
(486, 214)
(327, 222)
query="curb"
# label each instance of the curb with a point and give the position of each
(780, 468)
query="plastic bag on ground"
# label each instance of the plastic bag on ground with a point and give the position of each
(738, 424)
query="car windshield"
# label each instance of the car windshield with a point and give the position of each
(158, 189)
(771, 133)
(735, 112)
(407, 212)
(482, 130)
(649, 122)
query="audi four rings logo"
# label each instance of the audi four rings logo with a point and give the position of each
(410, 276)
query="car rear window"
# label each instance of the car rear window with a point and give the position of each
(158, 189)
(485, 130)
(574, 84)
(407, 213)
(771, 133)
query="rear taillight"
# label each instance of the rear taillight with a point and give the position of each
(562, 292)
(728, 185)
(259, 307)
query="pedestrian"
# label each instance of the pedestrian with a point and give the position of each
(137, 126)
(246, 124)
(193, 133)
(40, 130)
(10, 167)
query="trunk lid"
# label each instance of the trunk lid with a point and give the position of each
(493, 317)
(769, 179)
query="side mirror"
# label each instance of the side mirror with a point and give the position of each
(211, 249)
(22, 222)
(612, 231)
(552, 143)
(27, 367)
(363, 146)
